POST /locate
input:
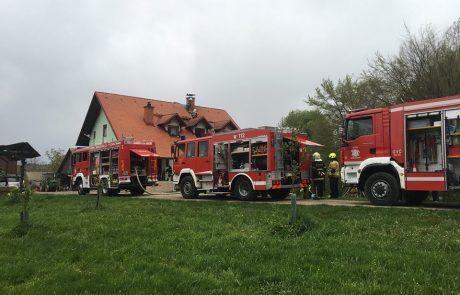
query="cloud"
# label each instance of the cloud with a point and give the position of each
(256, 59)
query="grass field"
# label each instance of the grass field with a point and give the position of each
(141, 246)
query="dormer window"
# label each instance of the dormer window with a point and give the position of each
(173, 130)
(200, 132)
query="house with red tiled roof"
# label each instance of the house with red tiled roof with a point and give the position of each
(114, 117)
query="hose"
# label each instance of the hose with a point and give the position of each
(140, 184)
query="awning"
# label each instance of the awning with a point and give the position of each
(302, 140)
(144, 153)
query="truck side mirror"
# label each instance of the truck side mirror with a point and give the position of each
(172, 149)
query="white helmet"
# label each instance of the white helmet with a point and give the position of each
(316, 156)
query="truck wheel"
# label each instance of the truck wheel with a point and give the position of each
(280, 194)
(80, 189)
(415, 197)
(382, 189)
(243, 190)
(187, 188)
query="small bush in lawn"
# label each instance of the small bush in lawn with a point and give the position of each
(302, 225)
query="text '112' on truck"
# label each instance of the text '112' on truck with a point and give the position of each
(403, 151)
(246, 163)
(114, 166)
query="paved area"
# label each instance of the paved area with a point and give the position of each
(300, 202)
(164, 191)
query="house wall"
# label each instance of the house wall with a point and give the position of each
(98, 127)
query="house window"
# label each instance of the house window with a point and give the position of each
(173, 130)
(104, 130)
(200, 132)
(191, 150)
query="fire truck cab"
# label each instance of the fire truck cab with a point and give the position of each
(247, 163)
(403, 151)
(116, 166)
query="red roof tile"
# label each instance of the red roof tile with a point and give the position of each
(193, 122)
(126, 117)
(222, 124)
(165, 119)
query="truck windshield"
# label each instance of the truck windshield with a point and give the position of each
(358, 127)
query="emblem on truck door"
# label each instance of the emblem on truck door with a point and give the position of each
(355, 153)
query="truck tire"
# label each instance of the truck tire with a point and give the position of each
(81, 191)
(188, 188)
(243, 190)
(415, 197)
(382, 189)
(280, 194)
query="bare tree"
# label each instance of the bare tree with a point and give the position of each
(427, 66)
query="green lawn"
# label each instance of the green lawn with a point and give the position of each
(162, 247)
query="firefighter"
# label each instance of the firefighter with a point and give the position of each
(333, 172)
(317, 172)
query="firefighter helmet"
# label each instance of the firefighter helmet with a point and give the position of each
(316, 156)
(332, 156)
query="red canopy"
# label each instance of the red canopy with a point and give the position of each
(144, 153)
(302, 140)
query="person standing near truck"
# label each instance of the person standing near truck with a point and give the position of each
(333, 172)
(317, 172)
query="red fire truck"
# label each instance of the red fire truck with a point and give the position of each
(247, 163)
(403, 151)
(116, 166)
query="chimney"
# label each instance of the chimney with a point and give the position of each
(148, 114)
(190, 102)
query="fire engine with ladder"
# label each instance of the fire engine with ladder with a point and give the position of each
(403, 151)
(118, 165)
(247, 163)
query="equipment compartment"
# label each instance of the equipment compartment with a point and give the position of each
(424, 142)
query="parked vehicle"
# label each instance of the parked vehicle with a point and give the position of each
(10, 181)
(116, 166)
(403, 151)
(48, 183)
(247, 163)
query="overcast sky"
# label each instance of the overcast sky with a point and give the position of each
(256, 59)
